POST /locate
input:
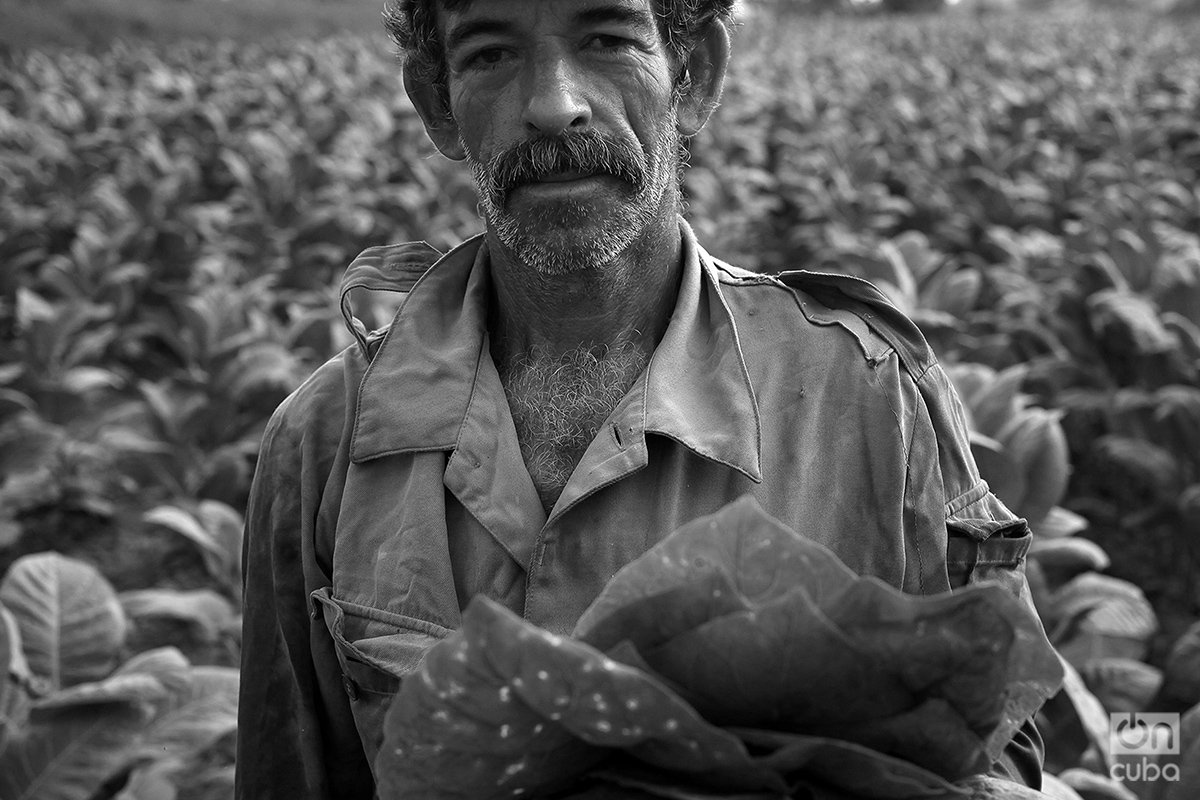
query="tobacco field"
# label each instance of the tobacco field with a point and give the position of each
(175, 218)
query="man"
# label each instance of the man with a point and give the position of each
(559, 393)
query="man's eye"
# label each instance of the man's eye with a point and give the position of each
(486, 58)
(608, 41)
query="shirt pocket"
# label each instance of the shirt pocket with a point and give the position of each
(376, 650)
(988, 550)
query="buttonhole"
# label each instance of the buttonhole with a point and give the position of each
(616, 430)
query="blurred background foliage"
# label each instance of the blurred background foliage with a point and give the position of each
(185, 181)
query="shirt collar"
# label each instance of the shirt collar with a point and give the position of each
(416, 392)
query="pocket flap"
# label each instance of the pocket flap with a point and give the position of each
(979, 549)
(390, 643)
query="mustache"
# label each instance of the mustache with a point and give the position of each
(586, 152)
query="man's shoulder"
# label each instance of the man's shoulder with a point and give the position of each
(852, 305)
(315, 411)
(376, 282)
(836, 305)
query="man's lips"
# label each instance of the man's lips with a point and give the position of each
(564, 185)
(563, 177)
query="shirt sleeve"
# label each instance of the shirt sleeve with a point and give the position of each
(1000, 557)
(975, 529)
(296, 734)
(986, 542)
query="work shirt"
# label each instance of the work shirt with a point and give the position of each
(391, 490)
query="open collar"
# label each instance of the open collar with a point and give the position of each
(416, 393)
(698, 390)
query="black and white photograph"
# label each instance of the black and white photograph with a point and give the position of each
(599, 400)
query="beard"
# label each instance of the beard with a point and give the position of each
(564, 236)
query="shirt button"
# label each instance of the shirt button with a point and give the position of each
(350, 686)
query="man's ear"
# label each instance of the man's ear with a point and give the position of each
(705, 69)
(430, 103)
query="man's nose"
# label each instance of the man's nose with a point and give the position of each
(555, 102)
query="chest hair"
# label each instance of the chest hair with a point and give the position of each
(559, 402)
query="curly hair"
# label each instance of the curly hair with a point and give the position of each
(412, 26)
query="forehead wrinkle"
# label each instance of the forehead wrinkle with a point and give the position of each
(641, 15)
(634, 14)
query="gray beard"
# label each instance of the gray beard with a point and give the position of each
(551, 245)
(558, 404)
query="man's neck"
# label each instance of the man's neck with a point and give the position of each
(569, 346)
(629, 300)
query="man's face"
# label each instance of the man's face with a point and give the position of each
(566, 112)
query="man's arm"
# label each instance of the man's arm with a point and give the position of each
(943, 482)
(999, 558)
(296, 735)
(986, 542)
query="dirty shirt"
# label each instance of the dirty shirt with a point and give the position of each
(390, 487)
